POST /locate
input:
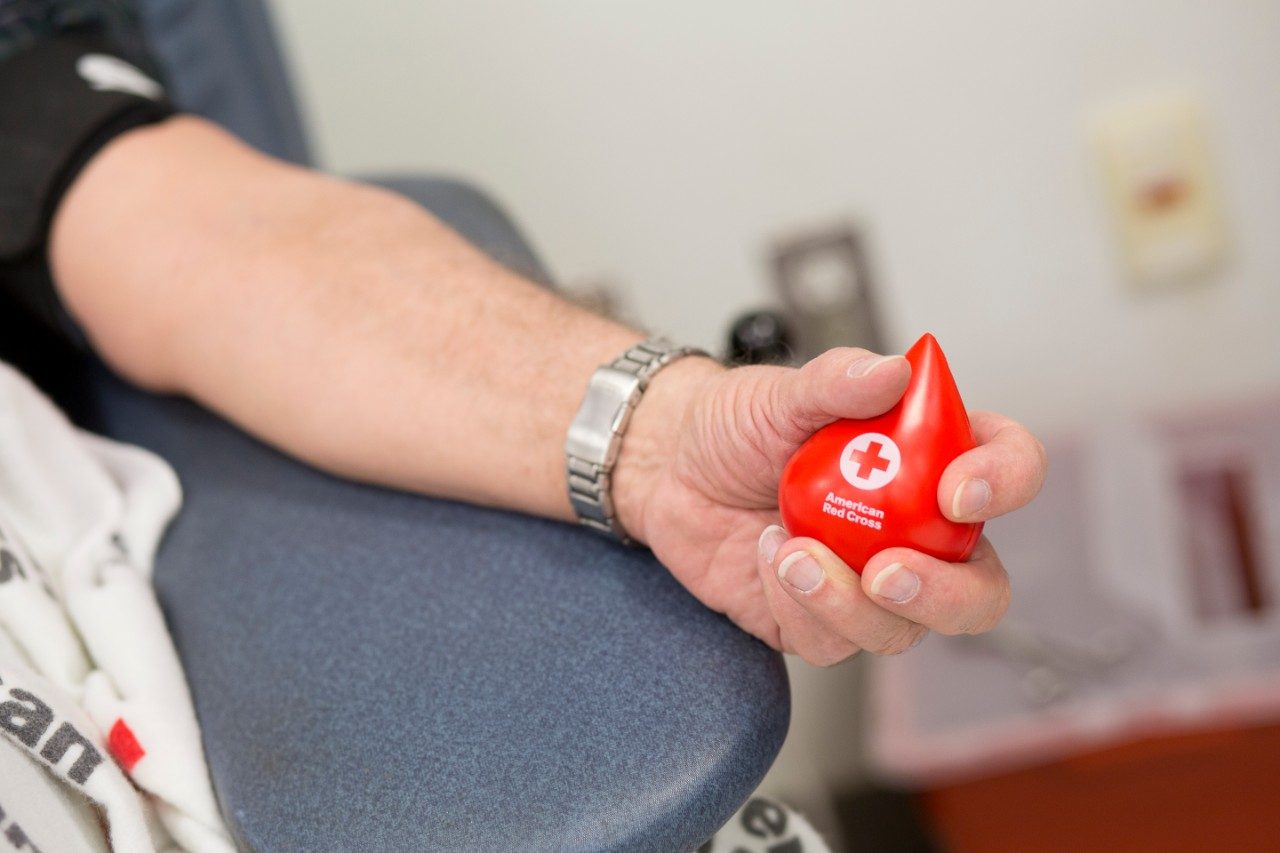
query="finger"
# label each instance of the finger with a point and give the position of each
(1004, 472)
(950, 598)
(841, 383)
(801, 633)
(827, 589)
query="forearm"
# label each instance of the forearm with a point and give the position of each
(339, 322)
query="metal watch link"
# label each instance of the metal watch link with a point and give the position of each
(595, 436)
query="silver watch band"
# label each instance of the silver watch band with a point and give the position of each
(595, 436)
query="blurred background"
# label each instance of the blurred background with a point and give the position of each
(1080, 199)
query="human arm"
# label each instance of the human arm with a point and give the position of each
(352, 329)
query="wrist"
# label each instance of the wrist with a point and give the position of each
(649, 443)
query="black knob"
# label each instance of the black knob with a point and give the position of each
(761, 337)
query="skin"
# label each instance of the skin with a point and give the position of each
(350, 328)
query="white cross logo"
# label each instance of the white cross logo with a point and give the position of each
(870, 461)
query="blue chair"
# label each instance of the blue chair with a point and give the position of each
(380, 671)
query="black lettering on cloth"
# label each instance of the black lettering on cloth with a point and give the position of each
(10, 566)
(63, 739)
(18, 839)
(16, 836)
(27, 718)
(28, 724)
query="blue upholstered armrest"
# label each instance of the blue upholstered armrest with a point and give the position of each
(375, 670)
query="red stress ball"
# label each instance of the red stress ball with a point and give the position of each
(862, 486)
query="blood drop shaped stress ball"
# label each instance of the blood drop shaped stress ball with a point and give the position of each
(862, 486)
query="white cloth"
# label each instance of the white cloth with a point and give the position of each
(33, 805)
(90, 685)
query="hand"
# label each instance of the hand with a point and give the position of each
(698, 482)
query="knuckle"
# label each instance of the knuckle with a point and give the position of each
(1033, 462)
(832, 661)
(998, 608)
(1029, 456)
(838, 653)
(771, 635)
(1042, 462)
(812, 659)
(987, 616)
(899, 639)
(827, 656)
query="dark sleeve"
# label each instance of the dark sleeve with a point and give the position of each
(74, 75)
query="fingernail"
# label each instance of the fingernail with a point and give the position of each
(770, 541)
(801, 571)
(972, 495)
(897, 583)
(866, 366)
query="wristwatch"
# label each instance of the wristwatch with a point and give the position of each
(595, 436)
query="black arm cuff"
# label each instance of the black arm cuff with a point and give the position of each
(61, 100)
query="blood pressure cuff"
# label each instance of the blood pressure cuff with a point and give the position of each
(62, 98)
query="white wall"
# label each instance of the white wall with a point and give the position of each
(664, 144)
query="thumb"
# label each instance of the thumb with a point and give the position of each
(841, 383)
